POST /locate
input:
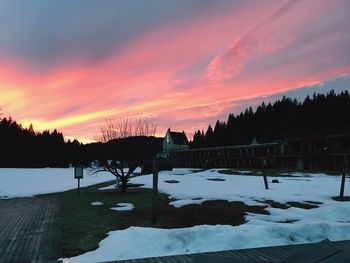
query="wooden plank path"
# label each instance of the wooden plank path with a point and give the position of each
(30, 229)
(268, 254)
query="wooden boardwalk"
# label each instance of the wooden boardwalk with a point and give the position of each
(30, 229)
(268, 254)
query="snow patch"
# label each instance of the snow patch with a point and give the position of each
(123, 207)
(139, 242)
(281, 227)
(27, 182)
(110, 187)
(96, 203)
(248, 189)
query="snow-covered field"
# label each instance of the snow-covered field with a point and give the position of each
(29, 182)
(248, 189)
(331, 220)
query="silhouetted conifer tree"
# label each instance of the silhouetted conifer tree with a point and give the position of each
(284, 118)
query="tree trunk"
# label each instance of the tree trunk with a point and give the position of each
(123, 186)
(116, 182)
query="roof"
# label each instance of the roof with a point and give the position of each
(179, 138)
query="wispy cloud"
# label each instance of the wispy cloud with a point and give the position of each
(69, 65)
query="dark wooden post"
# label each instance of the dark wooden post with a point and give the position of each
(155, 192)
(78, 186)
(263, 161)
(345, 168)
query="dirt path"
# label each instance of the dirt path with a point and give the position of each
(30, 229)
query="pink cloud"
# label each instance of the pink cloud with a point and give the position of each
(189, 73)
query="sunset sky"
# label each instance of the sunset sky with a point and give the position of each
(72, 64)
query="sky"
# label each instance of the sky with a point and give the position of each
(73, 64)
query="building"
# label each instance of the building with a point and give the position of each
(174, 141)
(322, 152)
(237, 156)
(313, 152)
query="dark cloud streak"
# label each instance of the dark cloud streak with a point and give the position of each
(50, 33)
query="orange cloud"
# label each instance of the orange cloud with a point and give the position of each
(187, 74)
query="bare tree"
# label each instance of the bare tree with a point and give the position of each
(124, 128)
(126, 157)
(144, 127)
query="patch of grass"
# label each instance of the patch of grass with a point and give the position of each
(255, 172)
(344, 199)
(216, 179)
(227, 171)
(302, 205)
(237, 172)
(198, 170)
(288, 221)
(276, 204)
(274, 172)
(314, 202)
(172, 181)
(84, 225)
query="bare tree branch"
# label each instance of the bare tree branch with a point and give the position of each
(124, 128)
(121, 129)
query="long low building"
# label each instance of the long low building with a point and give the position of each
(305, 153)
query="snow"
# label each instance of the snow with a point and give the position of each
(123, 207)
(139, 242)
(248, 189)
(96, 203)
(330, 220)
(110, 187)
(18, 182)
(245, 172)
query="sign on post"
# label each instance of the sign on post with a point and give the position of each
(78, 174)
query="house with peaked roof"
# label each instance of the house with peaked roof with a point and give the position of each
(175, 141)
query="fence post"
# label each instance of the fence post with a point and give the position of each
(155, 192)
(345, 168)
(263, 161)
(78, 186)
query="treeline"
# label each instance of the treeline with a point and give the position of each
(23, 147)
(138, 148)
(318, 114)
(284, 118)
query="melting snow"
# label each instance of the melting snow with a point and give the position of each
(29, 182)
(123, 207)
(96, 203)
(330, 220)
